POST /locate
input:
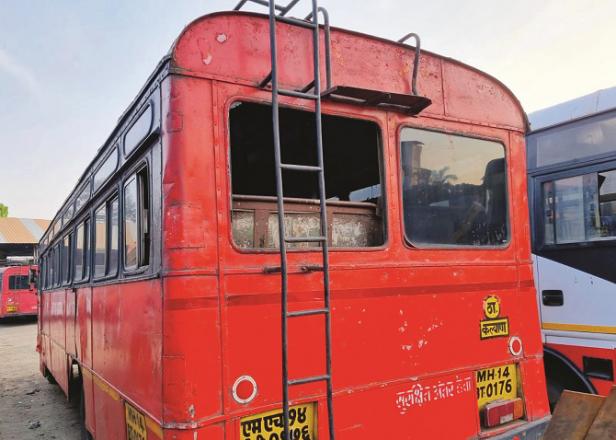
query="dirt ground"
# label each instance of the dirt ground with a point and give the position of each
(30, 407)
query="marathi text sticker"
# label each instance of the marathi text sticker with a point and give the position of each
(420, 395)
(493, 328)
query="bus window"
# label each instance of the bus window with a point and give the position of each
(352, 178)
(130, 224)
(66, 259)
(107, 168)
(574, 141)
(136, 221)
(112, 259)
(454, 190)
(56, 263)
(100, 240)
(81, 258)
(580, 208)
(18, 282)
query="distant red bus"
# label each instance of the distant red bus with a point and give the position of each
(17, 298)
(339, 254)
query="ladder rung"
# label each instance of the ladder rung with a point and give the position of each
(297, 94)
(304, 239)
(300, 313)
(308, 380)
(297, 22)
(295, 167)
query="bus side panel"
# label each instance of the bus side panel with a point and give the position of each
(127, 346)
(192, 355)
(576, 354)
(71, 311)
(189, 200)
(108, 412)
(83, 326)
(57, 335)
(519, 194)
(533, 378)
(211, 432)
(192, 339)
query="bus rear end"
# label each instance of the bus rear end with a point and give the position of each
(17, 297)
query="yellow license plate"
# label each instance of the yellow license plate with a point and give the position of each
(11, 308)
(269, 425)
(496, 383)
(135, 424)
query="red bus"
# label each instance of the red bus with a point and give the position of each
(399, 302)
(17, 297)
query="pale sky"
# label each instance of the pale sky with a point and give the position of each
(68, 69)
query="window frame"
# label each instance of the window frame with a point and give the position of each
(148, 105)
(96, 189)
(537, 218)
(382, 134)
(68, 280)
(133, 173)
(16, 277)
(95, 210)
(400, 177)
(108, 200)
(85, 218)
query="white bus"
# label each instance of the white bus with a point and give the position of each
(572, 195)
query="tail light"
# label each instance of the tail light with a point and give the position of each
(502, 411)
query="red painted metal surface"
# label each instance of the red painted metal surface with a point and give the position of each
(16, 302)
(404, 319)
(576, 354)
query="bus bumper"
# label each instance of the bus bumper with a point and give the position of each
(527, 431)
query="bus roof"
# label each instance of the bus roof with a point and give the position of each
(578, 108)
(234, 46)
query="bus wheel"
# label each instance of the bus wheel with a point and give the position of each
(50, 377)
(555, 389)
(561, 374)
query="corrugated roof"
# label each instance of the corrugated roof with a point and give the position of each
(15, 230)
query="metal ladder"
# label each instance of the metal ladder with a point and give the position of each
(312, 91)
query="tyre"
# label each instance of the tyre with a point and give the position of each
(555, 389)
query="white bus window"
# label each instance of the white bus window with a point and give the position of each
(580, 209)
(607, 203)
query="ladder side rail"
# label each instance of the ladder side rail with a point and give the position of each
(281, 226)
(324, 227)
(328, 44)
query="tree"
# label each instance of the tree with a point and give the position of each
(441, 176)
(4, 210)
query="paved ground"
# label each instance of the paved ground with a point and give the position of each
(30, 408)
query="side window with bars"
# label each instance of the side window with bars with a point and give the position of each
(106, 239)
(82, 255)
(136, 219)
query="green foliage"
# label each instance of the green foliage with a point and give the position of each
(4, 210)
